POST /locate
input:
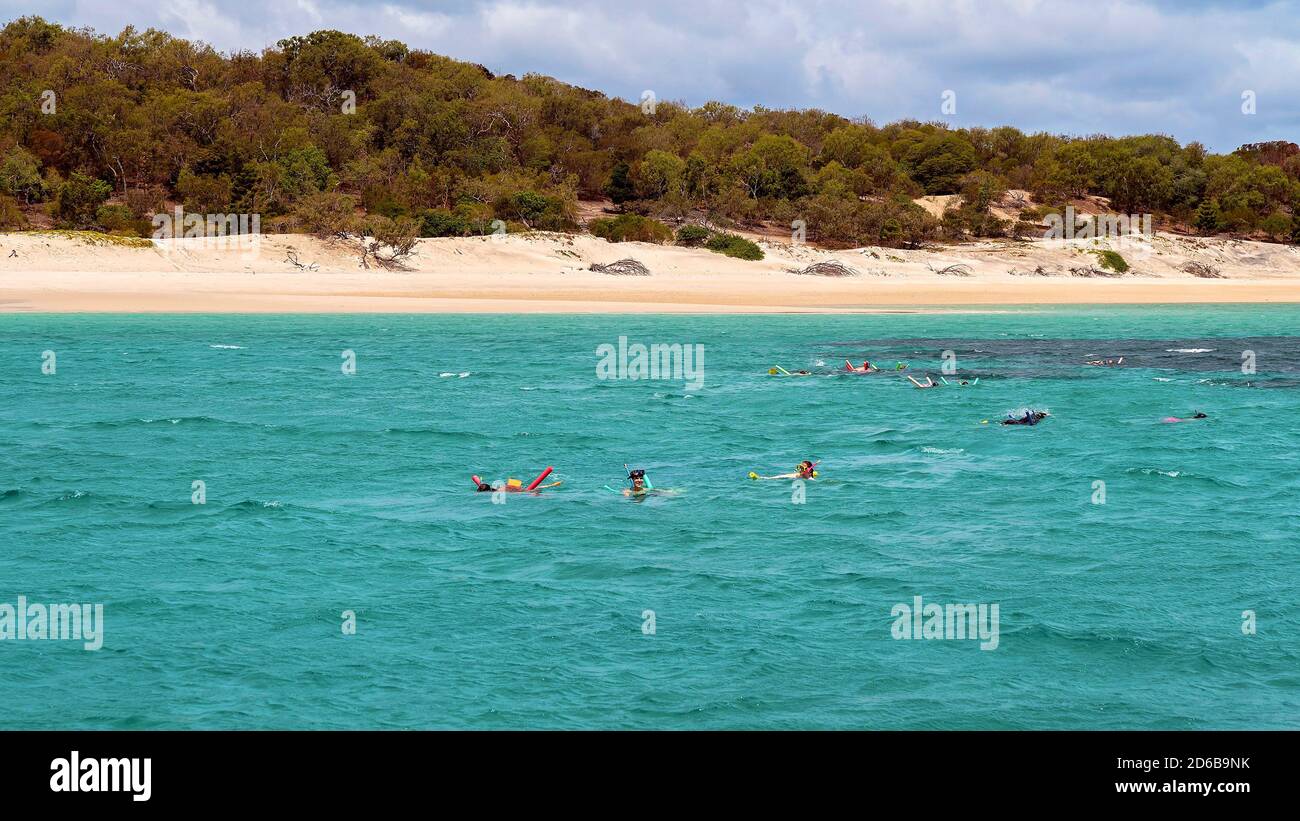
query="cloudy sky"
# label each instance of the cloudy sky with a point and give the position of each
(1112, 66)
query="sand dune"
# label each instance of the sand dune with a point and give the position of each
(54, 272)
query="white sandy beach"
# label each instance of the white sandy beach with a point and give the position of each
(53, 272)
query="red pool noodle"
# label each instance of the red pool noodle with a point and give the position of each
(540, 479)
(477, 481)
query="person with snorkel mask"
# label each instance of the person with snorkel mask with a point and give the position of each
(1031, 417)
(639, 484)
(803, 470)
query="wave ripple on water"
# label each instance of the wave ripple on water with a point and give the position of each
(328, 493)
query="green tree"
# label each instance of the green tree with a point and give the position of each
(318, 67)
(620, 188)
(980, 190)
(773, 166)
(1137, 184)
(326, 213)
(20, 175)
(1208, 220)
(630, 228)
(79, 198)
(204, 194)
(940, 161)
(662, 174)
(850, 146)
(1277, 225)
(11, 215)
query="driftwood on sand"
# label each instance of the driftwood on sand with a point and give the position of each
(292, 259)
(1203, 270)
(1038, 271)
(1093, 271)
(959, 269)
(834, 268)
(623, 267)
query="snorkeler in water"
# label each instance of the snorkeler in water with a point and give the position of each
(1031, 417)
(638, 485)
(515, 485)
(867, 367)
(803, 470)
(640, 488)
(1192, 418)
(1106, 363)
(929, 382)
(511, 486)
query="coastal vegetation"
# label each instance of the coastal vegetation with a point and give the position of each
(335, 134)
(1112, 261)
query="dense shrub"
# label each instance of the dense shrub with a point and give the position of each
(734, 246)
(79, 198)
(630, 228)
(534, 211)
(118, 219)
(692, 236)
(437, 222)
(11, 216)
(1112, 261)
(326, 214)
(20, 175)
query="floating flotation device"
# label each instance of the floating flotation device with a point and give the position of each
(515, 485)
(541, 478)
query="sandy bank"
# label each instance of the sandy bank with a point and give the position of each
(551, 273)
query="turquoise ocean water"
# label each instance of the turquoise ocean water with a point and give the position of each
(328, 492)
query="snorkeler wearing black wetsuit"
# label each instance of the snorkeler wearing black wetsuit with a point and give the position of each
(1031, 417)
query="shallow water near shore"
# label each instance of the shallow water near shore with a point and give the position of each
(328, 492)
